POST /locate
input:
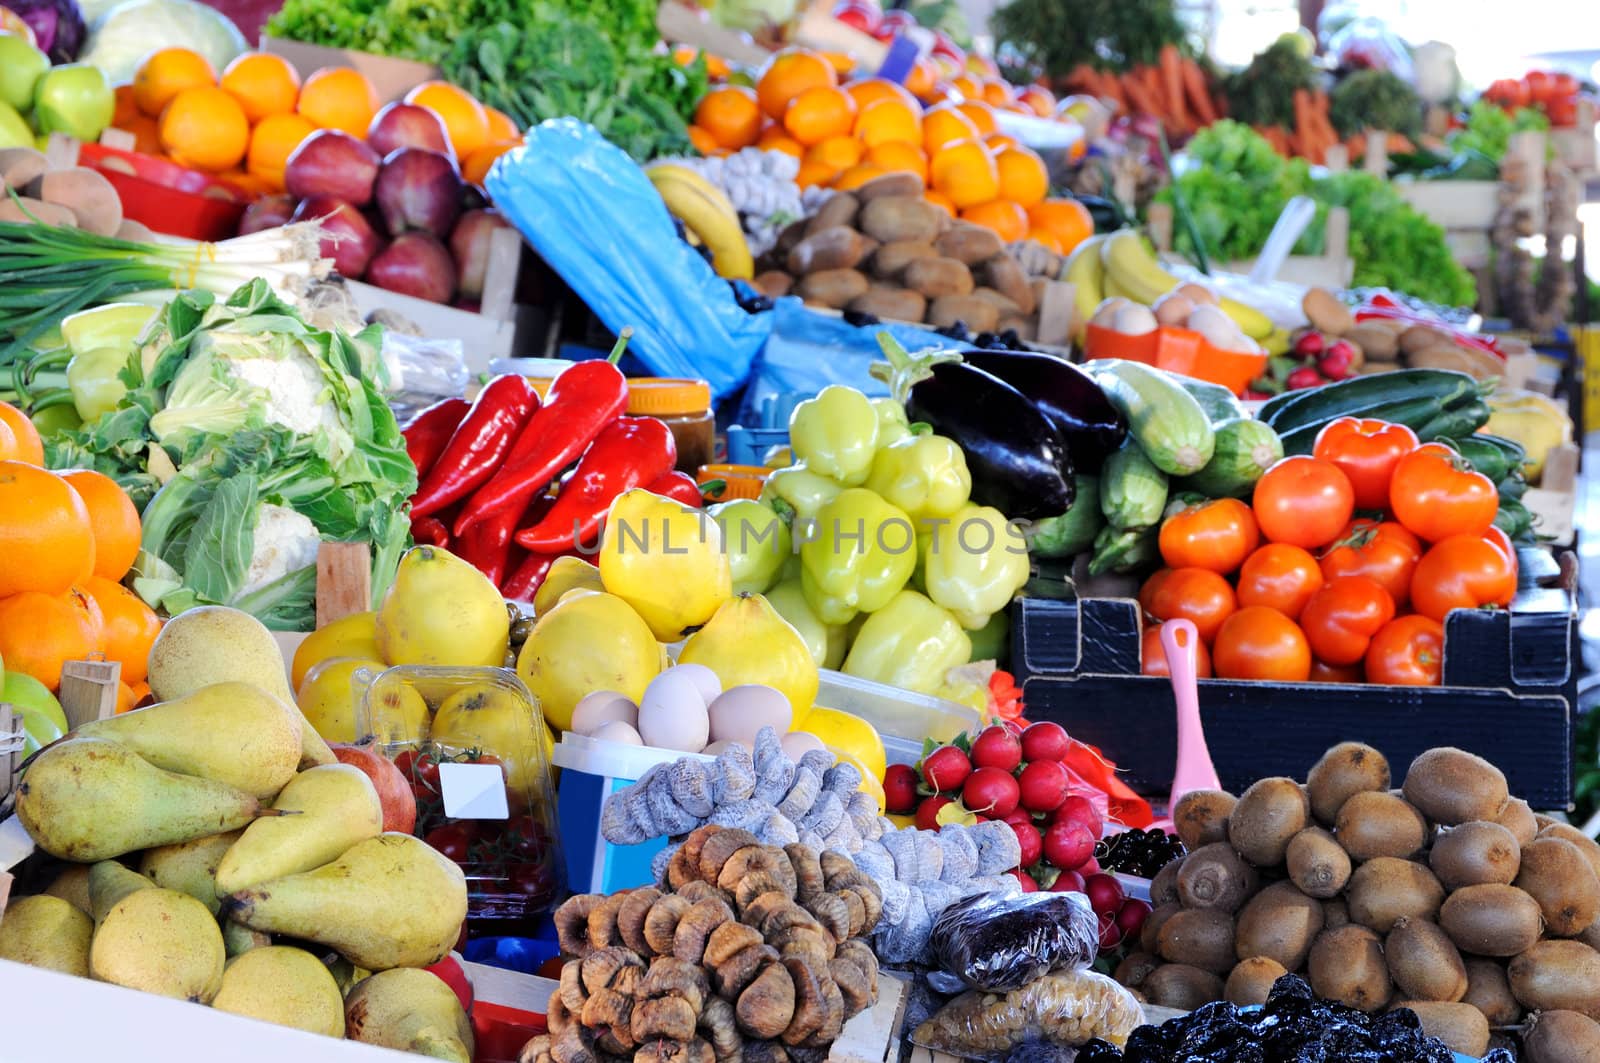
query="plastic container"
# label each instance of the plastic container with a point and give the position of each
(500, 826)
(683, 406)
(740, 481)
(1178, 350)
(166, 197)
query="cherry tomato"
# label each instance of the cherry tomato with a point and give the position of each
(1216, 535)
(453, 842)
(1195, 594)
(1380, 550)
(1281, 577)
(1462, 572)
(1261, 643)
(1303, 501)
(1153, 655)
(1407, 652)
(1323, 672)
(1366, 451)
(1152, 585)
(1341, 618)
(1435, 494)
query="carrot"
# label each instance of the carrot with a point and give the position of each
(1197, 93)
(1172, 79)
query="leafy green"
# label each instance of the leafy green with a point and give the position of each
(1263, 92)
(1374, 99)
(1107, 34)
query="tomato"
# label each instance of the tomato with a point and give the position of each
(1342, 617)
(1261, 643)
(1407, 652)
(1366, 451)
(1323, 672)
(1303, 501)
(1435, 494)
(1281, 577)
(1147, 593)
(1380, 550)
(1153, 655)
(1216, 535)
(1462, 572)
(1195, 594)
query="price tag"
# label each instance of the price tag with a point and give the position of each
(474, 791)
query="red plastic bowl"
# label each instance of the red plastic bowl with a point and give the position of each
(169, 198)
(1178, 350)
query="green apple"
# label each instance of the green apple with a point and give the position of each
(14, 132)
(42, 719)
(21, 65)
(75, 99)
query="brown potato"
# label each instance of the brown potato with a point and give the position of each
(832, 287)
(934, 277)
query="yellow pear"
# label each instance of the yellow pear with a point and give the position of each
(47, 932)
(489, 717)
(334, 805)
(109, 882)
(190, 867)
(238, 940)
(412, 1011)
(72, 886)
(590, 641)
(285, 986)
(160, 941)
(666, 560)
(355, 635)
(747, 641)
(566, 574)
(232, 733)
(329, 699)
(441, 610)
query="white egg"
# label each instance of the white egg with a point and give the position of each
(797, 744)
(672, 714)
(705, 680)
(742, 711)
(619, 732)
(600, 708)
(1134, 320)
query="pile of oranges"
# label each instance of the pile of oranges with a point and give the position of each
(245, 123)
(847, 134)
(67, 540)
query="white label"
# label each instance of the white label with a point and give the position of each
(474, 791)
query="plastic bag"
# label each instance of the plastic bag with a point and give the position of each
(1068, 1008)
(591, 213)
(1000, 943)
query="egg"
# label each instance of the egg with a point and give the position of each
(1196, 293)
(672, 715)
(743, 710)
(1173, 309)
(797, 744)
(705, 680)
(619, 732)
(600, 708)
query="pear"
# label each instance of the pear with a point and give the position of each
(336, 806)
(282, 985)
(391, 901)
(190, 867)
(88, 799)
(109, 882)
(215, 644)
(47, 932)
(159, 941)
(441, 610)
(410, 1010)
(748, 641)
(238, 940)
(72, 886)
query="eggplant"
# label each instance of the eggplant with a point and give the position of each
(1089, 425)
(1018, 461)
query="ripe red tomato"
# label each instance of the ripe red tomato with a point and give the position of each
(1366, 451)
(1216, 535)
(1341, 618)
(1303, 501)
(1153, 655)
(1323, 672)
(1195, 594)
(1281, 577)
(1407, 652)
(1462, 572)
(1261, 643)
(1435, 494)
(1380, 550)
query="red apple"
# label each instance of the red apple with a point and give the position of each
(405, 125)
(399, 804)
(350, 239)
(331, 163)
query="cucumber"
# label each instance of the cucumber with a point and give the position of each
(1219, 404)
(1073, 532)
(1165, 420)
(1245, 449)
(1133, 492)
(1359, 396)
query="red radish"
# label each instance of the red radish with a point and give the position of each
(1310, 344)
(946, 768)
(1110, 933)
(1105, 893)
(1131, 916)
(1028, 884)
(1031, 843)
(1079, 809)
(998, 748)
(1068, 845)
(991, 791)
(348, 238)
(1044, 784)
(1067, 882)
(900, 788)
(331, 163)
(1045, 741)
(929, 809)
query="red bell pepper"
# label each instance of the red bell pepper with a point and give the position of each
(678, 486)
(479, 445)
(582, 401)
(630, 452)
(429, 432)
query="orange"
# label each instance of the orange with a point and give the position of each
(857, 176)
(774, 138)
(112, 519)
(788, 74)
(167, 72)
(271, 143)
(1039, 100)
(501, 126)
(839, 152)
(1006, 218)
(46, 540)
(943, 124)
(999, 142)
(982, 116)
(819, 113)
(815, 173)
(205, 129)
(337, 97)
(1067, 219)
(894, 155)
(26, 445)
(867, 91)
(263, 84)
(41, 632)
(965, 171)
(940, 200)
(478, 164)
(997, 93)
(885, 120)
(703, 141)
(1023, 177)
(923, 79)
(131, 626)
(1048, 239)
(731, 115)
(466, 123)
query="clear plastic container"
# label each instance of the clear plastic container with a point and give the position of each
(474, 745)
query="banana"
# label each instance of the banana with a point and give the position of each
(706, 212)
(1084, 271)
(1133, 269)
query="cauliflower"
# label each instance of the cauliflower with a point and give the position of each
(285, 542)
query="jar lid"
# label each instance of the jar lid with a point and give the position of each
(742, 481)
(667, 397)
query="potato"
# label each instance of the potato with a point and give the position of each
(832, 287)
(835, 248)
(1006, 277)
(890, 260)
(891, 185)
(901, 218)
(840, 209)
(893, 304)
(774, 283)
(934, 277)
(970, 244)
(977, 314)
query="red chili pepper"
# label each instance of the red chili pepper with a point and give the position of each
(678, 486)
(629, 452)
(429, 432)
(479, 445)
(528, 577)
(582, 401)
(430, 531)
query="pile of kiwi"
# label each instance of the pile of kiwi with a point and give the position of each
(1447, 896)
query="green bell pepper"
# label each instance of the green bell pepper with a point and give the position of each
(827, 642)
(836, 434)
(93, 378)
(797, 493)
(909, 643)
(926, 476)
(757, 542)
(975, 564)
(893, 424)
(856, 557)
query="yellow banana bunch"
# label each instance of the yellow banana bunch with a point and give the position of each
(708, 215)
(1133, 271)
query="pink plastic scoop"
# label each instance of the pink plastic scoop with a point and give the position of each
(1194, 769)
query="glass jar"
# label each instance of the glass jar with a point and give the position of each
(685, 407)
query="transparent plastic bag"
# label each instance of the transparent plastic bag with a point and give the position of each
(1067, 1009)
(998, 943)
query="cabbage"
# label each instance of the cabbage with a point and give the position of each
(130, 31)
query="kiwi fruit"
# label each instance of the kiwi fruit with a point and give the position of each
(1517, 818)
(1491, 920)
(1267, 816)
(1164, 887)
(1201, 817)
(1489, 991)
(1335, 913)
(1555, 874)
(1177, 985)
(1474, 854)
(1461, 1027)
(1373, 824)
(1201, 938)
(1384, 889)
(1424, 962)
(1561, 1037)
(1279, 923)
(1251, 981)
(1555, 976)
(1451, 786)
(1348, 768)
(1568, 833)
(1213, 876)
(1135, 968)
(1149, 934)
(1347, 966)
(1317, 864)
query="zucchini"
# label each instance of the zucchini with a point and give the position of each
(1165, 420)
(1219, 404)
(1245, 449)
(1133, 492)
(1072, 532)
(1361, 396)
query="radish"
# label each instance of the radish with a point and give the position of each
(1028, 885)
(1105, 894)
(1068, 845)
(1045, 741)
(1067, 882)
(1076, 808)
(1044, 784)
(900, 788)
(1131, 916)
(991, 791)
(929, 809)
(1030, 842)
(946, 768)
(998, 748)
(1110, 933)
